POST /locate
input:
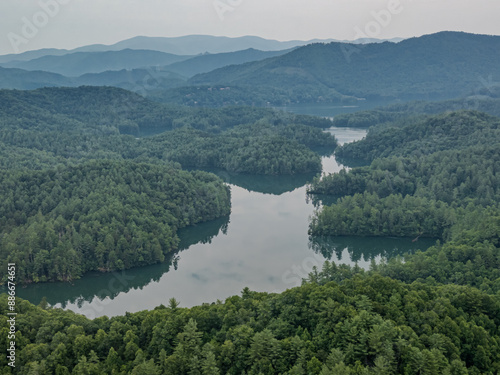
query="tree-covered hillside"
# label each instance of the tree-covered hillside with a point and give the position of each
(81, 192)
(241, 150)
(59, 223)
(207, 62)
(97, 107)
(459, 176)
(24, 80)
(419, 137)
(67, 124)
(435, 176)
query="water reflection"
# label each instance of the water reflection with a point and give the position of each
(318, 200)
(365, 249)
(110, 285)
(265, 184)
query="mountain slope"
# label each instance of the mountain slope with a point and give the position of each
(438, 65)
(138, 80)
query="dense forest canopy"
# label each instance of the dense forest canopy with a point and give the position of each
(434, 176)
(454, 130)
(108, 106)
(57, 124)
(100, 215)
(443, 160)
(432, 312)
(451, 176)
(451, 158)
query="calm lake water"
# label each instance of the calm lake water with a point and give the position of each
(263, 245)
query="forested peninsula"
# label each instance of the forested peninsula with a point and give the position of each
(100, 216)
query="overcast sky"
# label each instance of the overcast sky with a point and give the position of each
(29, 24)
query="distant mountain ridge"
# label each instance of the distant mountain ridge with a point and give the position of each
(183, 45)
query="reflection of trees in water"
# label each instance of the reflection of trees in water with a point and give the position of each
(323, 151)
(350, 162)
(202, 233)
(366, 248)
(265, 184)
(109, 285)
(319, 200)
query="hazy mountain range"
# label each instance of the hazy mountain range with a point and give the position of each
(441, 65)
(184, 45)
(126, 68)
(79, 63)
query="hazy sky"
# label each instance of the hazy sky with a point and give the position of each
(35, 24)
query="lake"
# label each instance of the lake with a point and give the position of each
(263, 245)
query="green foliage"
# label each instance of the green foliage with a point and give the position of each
(47, 127)
(433, 176)
(433, 312)
(455, 130)
(101, 215)
(364, 323)
(368, 215)
(265, 151)
(452, 176)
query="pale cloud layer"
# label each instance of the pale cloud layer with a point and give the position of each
(35, 24)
